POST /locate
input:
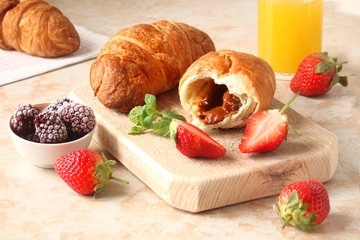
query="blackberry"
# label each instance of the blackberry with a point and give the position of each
(55, 106)
(78, 118)
(49, 127)
(22, 122)
(32, 137)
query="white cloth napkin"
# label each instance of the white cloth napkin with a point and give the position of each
(15, 65)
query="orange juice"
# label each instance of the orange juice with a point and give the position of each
(288, 31)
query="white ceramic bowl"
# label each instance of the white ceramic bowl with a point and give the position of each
(44, 154)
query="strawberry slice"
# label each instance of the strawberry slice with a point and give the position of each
(266, 130)
(193, 142)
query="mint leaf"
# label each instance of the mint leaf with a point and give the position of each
(161, 128)
(143, 114)
(134, 113)
(137, 129)
(146, 117)
(150, 100)
(148, 120)
(170, 115)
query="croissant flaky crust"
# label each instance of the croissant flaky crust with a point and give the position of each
(145, 58)
(223, 89)
(37, 28)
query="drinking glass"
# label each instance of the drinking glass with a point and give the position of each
(288, 31)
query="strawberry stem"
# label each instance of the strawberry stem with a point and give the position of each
(288, 103)
(119, 180)
(294, 130)
(340, 63)
(286, 222)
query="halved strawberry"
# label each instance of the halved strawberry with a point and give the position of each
(190, 140)
(193, 142)
(265, 130)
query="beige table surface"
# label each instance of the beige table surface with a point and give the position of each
(36, 204)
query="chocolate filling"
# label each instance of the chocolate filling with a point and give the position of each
(217, 104)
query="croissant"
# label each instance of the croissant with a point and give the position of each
(223, 89)
(145, 58)
(4, 7)
(37, 28)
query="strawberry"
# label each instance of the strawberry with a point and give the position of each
(317, 73)
(85, 171)
(266, 130)
(304, 204)
(190, 140)
(193, 142)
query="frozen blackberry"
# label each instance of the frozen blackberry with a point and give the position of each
(55, 106)
(78, 118)
(22, 122)
(50, 128)
(32, 137)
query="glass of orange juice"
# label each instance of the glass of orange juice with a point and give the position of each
(288, 31)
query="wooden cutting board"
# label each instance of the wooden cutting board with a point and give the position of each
(200, 184)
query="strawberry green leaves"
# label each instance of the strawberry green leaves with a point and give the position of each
(293, 213)
(86, 171)
(325, 66)
(304, 204)
(317, 73)
(104, 174)
(148, 117)
(331, 65)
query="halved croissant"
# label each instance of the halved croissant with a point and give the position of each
(145, 58)
(37, 28)
(223, 89)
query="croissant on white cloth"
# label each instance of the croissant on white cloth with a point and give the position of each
(37, 28)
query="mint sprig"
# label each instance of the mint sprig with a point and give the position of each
(148, 117)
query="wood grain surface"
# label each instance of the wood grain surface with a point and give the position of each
(197, 184)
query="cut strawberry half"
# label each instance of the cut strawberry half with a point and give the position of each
(193, 142)
(266, 130)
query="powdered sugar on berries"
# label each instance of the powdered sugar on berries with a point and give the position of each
(77, 117)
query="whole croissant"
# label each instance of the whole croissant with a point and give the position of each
(145, 58)
(37, 28)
